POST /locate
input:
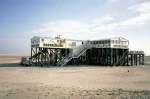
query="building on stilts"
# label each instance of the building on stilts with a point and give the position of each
(60, 51)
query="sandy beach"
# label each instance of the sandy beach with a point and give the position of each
(84, 82)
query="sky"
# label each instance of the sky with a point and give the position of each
(20, 20)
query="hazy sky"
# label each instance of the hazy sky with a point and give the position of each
(78, 19)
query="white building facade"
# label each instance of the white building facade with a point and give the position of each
(60, 42)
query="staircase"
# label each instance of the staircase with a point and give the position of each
(77, 52)
(120, 62)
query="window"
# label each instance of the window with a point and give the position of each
(109, 42)
(99, 42)
(95, 42)
(105, 42)
(113, 41)
(42, 40)
(116, 41)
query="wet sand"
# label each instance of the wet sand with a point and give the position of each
(85, 82)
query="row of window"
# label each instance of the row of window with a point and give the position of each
(102, 45)
(120, 46)
(35, 45)
(101, 42)
(54, 45)
(119, 42)
(108, 42)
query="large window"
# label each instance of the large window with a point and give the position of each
(42, 40)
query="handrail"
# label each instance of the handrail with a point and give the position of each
(121, 58)
(75, 54)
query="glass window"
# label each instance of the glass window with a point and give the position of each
(99, 42)
(96, 42)
(42, 40)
